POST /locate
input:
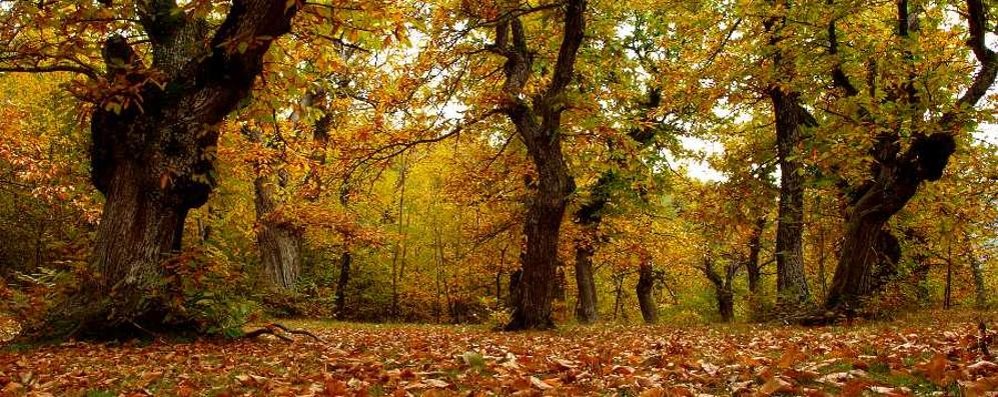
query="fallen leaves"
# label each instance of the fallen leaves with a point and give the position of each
(444, 361)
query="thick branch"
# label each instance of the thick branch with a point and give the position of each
(575, 26)
(160, 18)
(985, 77)
(839, 77)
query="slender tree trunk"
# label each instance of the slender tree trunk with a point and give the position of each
(346, 260)
(398, 254)
(752, 265)
(822, 259)
(948, 297)
(586, 307)
(618, 293)
(499, 273)
(645, 289)
(561, 283)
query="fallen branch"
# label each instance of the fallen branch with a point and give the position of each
(267, 331)
(279, 331)
(297, 332)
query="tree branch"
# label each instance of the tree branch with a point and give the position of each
(575, 26)
(985, 77)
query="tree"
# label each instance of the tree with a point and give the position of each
(645, 289)
(898, 171)
(154, 130)
(791, 118)
(279, 240)
(538, 124)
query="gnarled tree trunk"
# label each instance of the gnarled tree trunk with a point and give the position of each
(723, 284)
(897, 180)
(153, 162)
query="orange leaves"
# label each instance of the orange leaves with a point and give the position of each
(935, 370)
(445, 361)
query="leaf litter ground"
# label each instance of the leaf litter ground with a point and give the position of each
(926, 357)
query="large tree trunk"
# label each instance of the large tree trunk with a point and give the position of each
(860, 270)
(153, 162)
(645, 289)
(538, 124)
(532, 310)
(585, 311)
(791, 283)
(279, 240)
(138, 230)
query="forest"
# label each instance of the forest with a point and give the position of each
(498, 197)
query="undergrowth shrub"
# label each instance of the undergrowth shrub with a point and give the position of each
(203, 288)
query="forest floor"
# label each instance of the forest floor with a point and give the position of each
(933, 354)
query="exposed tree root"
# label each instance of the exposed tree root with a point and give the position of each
(280, 331)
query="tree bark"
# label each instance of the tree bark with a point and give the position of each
(725, 304)
(790, 118)
(791, 282)
(341, 286)
(585, 311)
(723, 286)
(561, 283)
(538, 124)
(280, 242)
(645, 289)
(977, 272)
(752, 265)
